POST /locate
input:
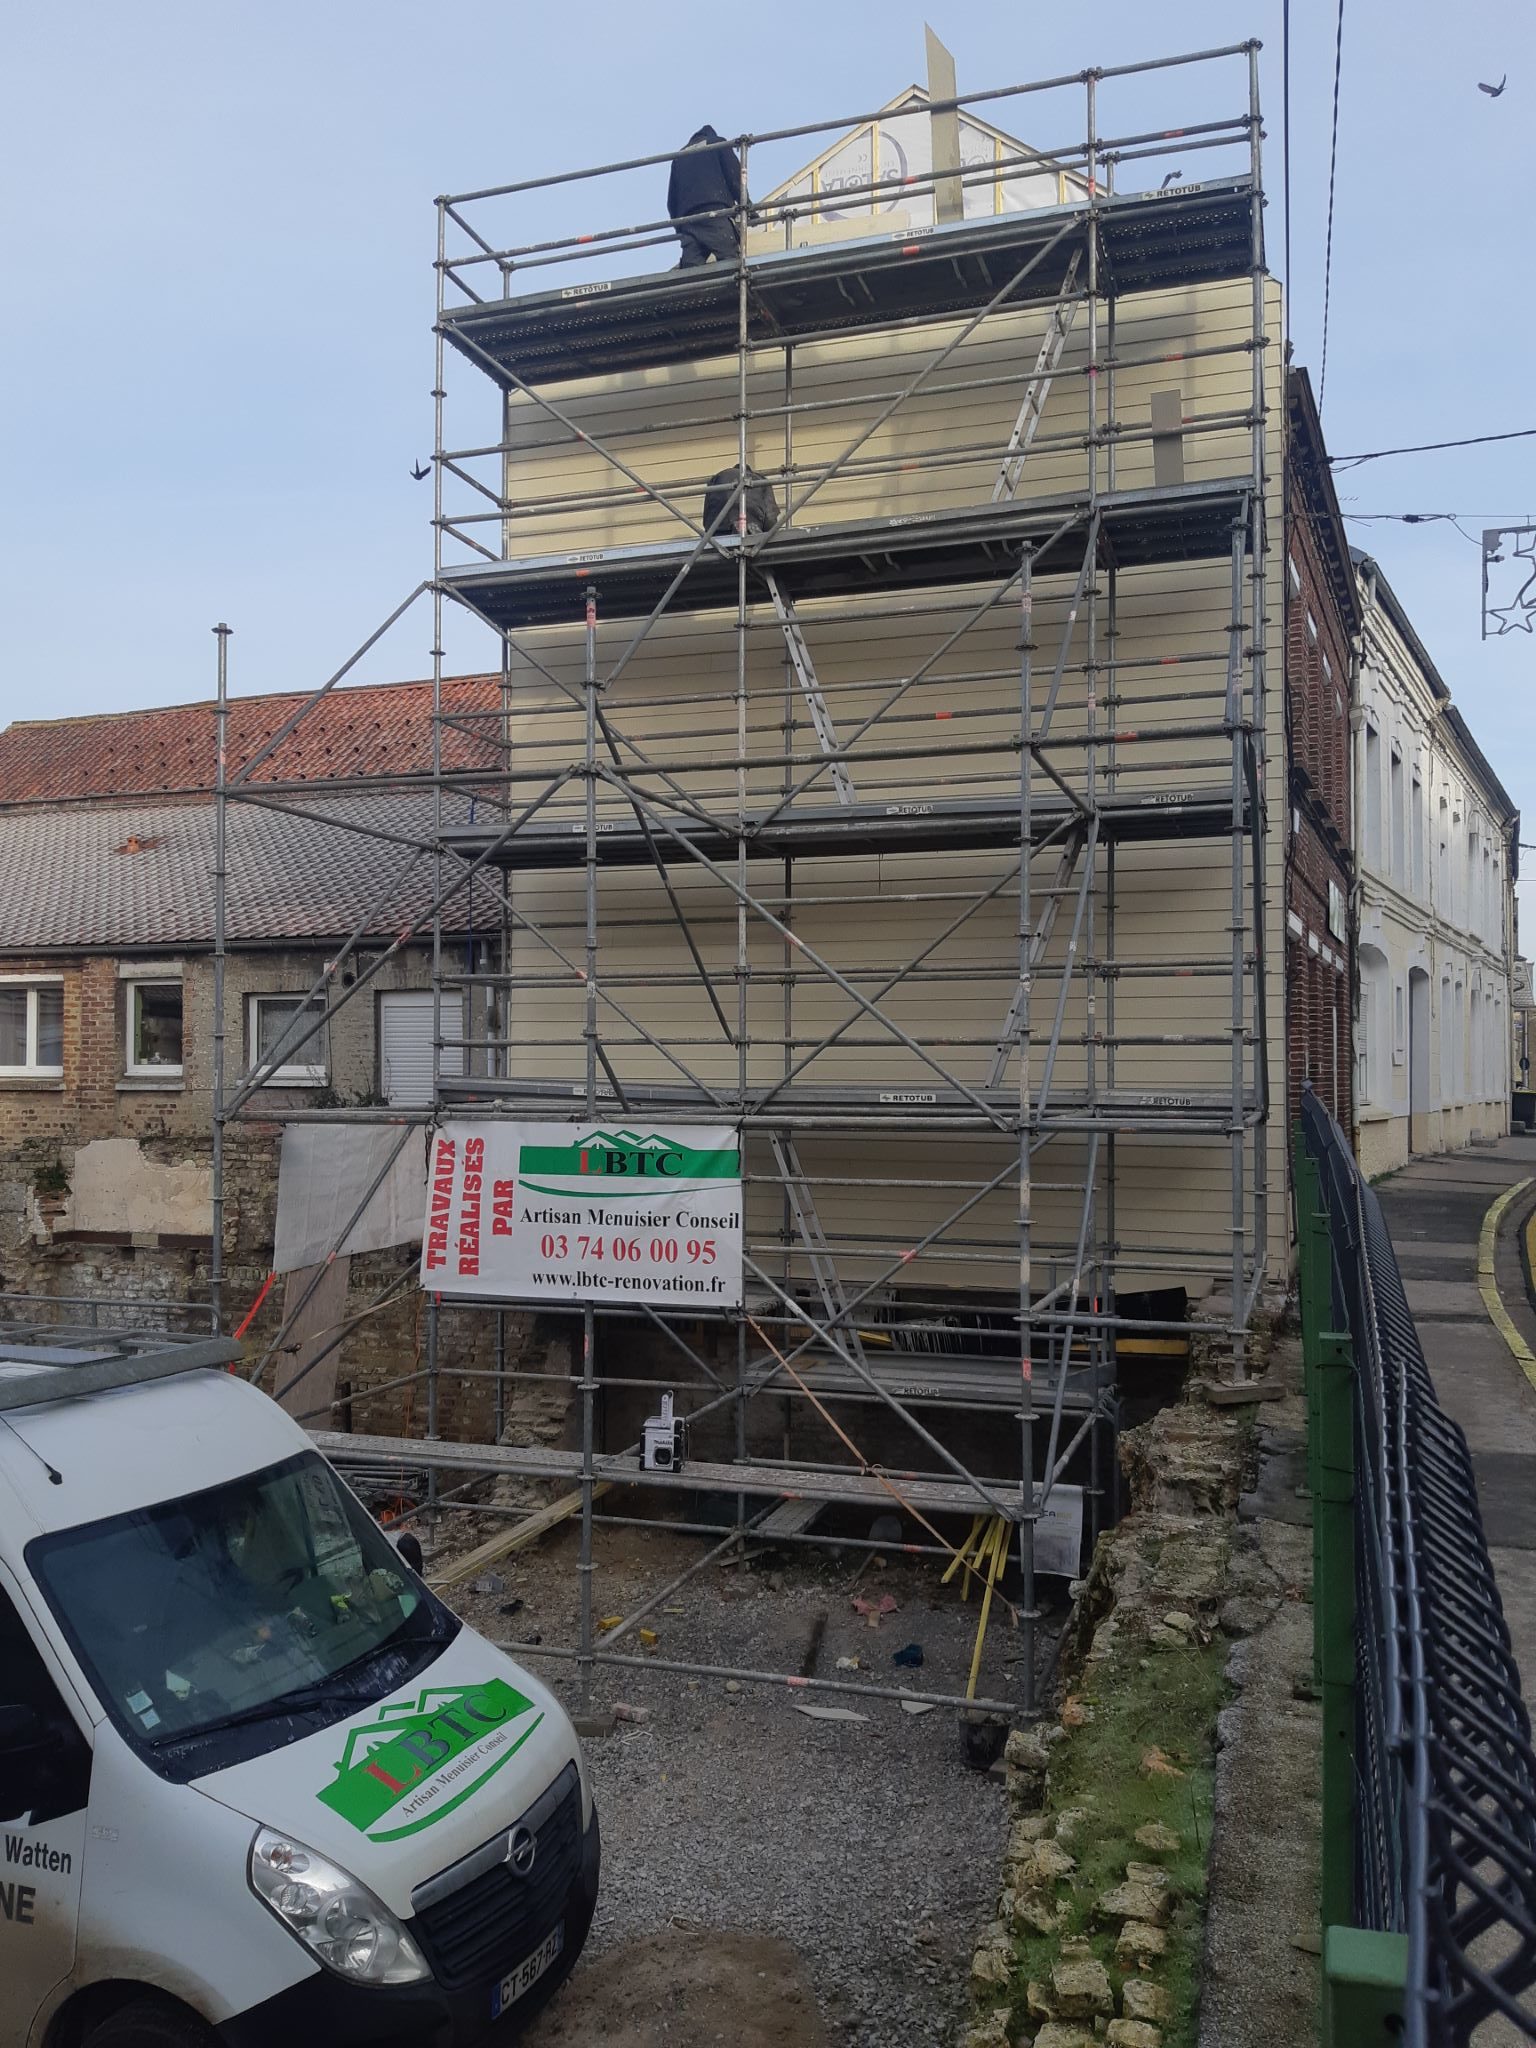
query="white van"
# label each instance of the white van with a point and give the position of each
(257, 1784)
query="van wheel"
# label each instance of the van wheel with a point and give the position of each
(146, 2023)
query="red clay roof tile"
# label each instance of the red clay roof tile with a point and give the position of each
(369, 730)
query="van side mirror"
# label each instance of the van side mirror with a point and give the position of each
(408, 1543)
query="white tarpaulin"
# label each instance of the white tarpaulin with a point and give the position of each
(572, 1212)
(324, 1172)
(310, 1353)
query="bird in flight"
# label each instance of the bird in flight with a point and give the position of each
(419, 471)
(1493, 91)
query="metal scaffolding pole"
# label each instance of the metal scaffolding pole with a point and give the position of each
(1026, 1277)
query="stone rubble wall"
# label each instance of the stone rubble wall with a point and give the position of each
(1179, 1571)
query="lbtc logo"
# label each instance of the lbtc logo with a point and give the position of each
(624, 1155)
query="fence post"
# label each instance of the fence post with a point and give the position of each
(1333, 1607)
(1364, 1972)
(1314, 1260)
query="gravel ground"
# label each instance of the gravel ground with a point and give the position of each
(869, 1847)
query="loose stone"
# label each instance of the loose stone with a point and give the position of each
(1081, 1988)
(1133, 2034)
(1140, 1945)
(1157, 1837)
(1144, 2001)
(1135, 1902)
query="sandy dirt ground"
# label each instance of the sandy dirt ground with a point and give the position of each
(767, 1877)
(687, 1991)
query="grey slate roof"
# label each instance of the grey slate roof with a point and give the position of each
(121, 877)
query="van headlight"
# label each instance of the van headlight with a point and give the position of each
(339, 1920)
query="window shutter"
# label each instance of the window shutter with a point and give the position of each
(405, 1048)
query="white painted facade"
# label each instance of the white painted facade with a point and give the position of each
(1435, 838)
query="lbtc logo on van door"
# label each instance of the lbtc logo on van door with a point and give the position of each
(419, 1760)
(569, 1212)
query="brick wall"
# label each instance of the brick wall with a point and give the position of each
(163, 1277)
(1319, 962)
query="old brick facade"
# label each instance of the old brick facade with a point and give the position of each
(105, 1180)
(1321, 623)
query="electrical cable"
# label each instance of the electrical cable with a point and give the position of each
(1427, 447)
(1420, 518)
(1417, 519)
(1333, 165)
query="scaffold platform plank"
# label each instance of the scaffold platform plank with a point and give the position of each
(930, 550)
(772, 1106)
(1148, 241)
(934, 1496)
(789, 1518)
(907, 824)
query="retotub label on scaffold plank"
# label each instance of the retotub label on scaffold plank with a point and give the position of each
(576, 1212)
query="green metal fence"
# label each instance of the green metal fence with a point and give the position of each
(1429, 1781)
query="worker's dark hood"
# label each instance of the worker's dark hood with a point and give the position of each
(704, 134)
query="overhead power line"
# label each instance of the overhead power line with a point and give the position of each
(1425, 447)
(1333, 166)
(1421, 519)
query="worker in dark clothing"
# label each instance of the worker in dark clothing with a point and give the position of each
(704, 186)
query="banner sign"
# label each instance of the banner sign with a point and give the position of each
(571, 1213)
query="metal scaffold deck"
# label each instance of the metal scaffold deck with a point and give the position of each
(855, 827)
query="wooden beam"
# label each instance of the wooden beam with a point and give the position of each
(529, 1531)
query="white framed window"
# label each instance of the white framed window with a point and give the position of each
(1372, 796)
(152, 1024)
(275, 1024)
(1373, 1027)
(32, 1028)
(1312, 628)
(1295, 575)
(1417, 874)
(1398, 819)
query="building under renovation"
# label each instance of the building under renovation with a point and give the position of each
(874, 798)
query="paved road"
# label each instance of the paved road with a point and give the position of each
(1434, 1209)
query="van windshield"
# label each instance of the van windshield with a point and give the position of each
(274, 1595)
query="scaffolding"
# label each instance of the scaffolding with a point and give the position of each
(848, 828)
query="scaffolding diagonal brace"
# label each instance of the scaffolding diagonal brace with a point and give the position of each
(1039, 940)
(823, 1263)
(1038, 389)
(810, 688)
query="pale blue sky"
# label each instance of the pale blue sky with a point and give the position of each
(216, 235)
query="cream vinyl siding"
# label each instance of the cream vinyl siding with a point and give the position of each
(677, 700)
(941, 448)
